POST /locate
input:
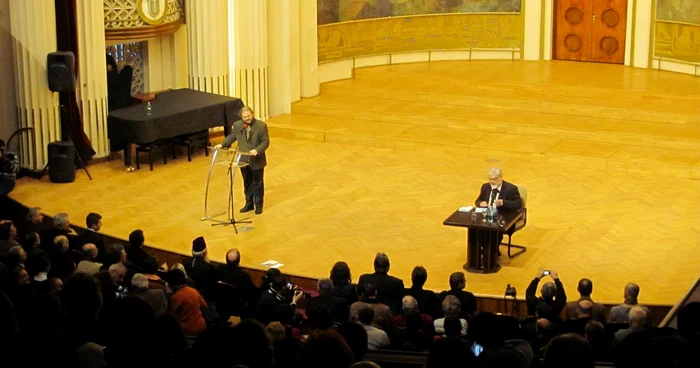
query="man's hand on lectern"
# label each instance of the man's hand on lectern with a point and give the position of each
(499, 202)
(217, 146)
(253, 152)
(483, 204)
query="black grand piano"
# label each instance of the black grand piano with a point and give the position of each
(173, 113)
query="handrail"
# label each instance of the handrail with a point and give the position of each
(670, 319)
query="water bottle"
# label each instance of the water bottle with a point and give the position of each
(489, 213)
(149, 109)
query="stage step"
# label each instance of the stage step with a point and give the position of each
(554, 148)
(589, 116)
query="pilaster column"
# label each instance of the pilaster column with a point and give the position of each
(92, 72)
(33, 29)
(207, 45)
(250, 22)
(308, 43)
(283, 55)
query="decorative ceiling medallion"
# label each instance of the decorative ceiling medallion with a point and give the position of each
(152, 11)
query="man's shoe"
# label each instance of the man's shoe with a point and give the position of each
(258, 211)
(247, 208)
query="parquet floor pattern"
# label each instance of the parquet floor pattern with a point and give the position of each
(329, 199)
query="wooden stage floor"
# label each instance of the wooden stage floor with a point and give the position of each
(376, 163)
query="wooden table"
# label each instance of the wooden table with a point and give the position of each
(483, 237)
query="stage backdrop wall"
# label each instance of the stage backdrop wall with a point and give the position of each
(677, 36)
(355, 33)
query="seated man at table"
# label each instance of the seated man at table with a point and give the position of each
(502, 194)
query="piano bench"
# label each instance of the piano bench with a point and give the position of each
(192, 141)
(148, 148)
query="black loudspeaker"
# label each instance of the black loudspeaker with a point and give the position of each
(61, 67)
(62, 162)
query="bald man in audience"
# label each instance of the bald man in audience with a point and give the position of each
(89, 265)
(232, 273)
(585, 289)
(637, 318)
(620, 313)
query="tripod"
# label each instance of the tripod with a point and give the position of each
(231, 175)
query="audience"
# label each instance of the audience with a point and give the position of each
(620, 313)
(89, 265)
(376, 338)
(232, 274)
(637, 319)
(552, 300)
(450, 306)
(154, 297)
(338, 307)
(199, 268)
(91, 234)
(342, 283)
(389, 288)
(186, 304)
(79, 309)
(585, 289)
(467, 300)
(428, 301)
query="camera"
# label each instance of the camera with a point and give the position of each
(510, 291)
(546, 272)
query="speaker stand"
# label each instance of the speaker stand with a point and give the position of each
(67, 122)
(80, 162)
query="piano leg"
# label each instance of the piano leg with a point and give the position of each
(127, 157)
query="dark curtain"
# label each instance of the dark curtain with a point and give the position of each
(71, 119)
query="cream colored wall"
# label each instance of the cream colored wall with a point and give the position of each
(308, 43)
(8, 109)
(167, 58)
(283, 55)
(533, 23)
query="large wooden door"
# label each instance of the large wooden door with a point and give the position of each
(608, 31)
(572, 29)
(590, 30)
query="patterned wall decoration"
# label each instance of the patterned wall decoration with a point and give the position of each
(677, 30)
(130, 54)
(685, 11)
(139, 19)
(334, 11)
(421, 33)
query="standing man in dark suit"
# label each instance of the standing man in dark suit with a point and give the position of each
(253, 138)
(389, 288)
(501, 194)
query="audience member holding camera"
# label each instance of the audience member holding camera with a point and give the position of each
(277, 292)
(552, 301)
(9, 168)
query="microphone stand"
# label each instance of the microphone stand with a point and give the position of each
(231, 175)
